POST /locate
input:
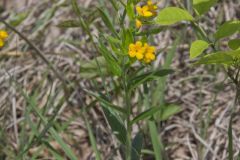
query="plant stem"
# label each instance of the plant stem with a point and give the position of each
(129, 110)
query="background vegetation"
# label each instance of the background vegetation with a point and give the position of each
(42, 118)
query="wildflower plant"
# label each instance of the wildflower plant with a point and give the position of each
(127, 43)
(119, 52)
(123, 50)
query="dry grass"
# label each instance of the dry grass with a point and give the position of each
(200, 93)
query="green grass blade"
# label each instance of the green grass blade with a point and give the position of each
(76, 8)
(92, 139)
(53, 132)
(56, 155)
(157, 146)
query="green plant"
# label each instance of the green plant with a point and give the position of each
(118, 51)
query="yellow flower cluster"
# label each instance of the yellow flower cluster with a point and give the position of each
(3, 37)
(143, 52)
(148, 10)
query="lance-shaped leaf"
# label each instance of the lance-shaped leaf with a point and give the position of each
(137, 146)
(116, 124)
(112, 64)
(172, 15)
(168, 111)
(149, 76)
(146, 114)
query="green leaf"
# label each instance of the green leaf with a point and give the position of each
(202, 6)
(112, 64)
(227, 29)
(69, 24)
(146, 114)
(18, 19)
(116, 124)
(220, 58)
(197, 47)
(149, 76)
(168, 111)
(137, 146)
(127, 38)
(172, 15)
(234, 44)
(130, 10)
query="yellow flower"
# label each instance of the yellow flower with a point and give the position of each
(138, 44)
(147, 10)
(3, 34)
(132, 50)
(139, 55)
(1, 43)
(138, 23)
(136, 50)
(151, 5)
(144, 11)
(142, 52)
(149, 56)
